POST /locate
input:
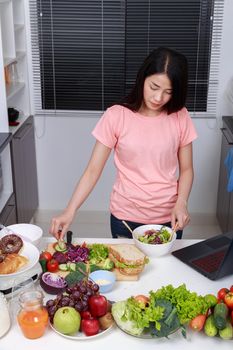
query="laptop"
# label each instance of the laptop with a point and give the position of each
(212, 257)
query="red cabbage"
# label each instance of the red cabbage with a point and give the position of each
(60, 257)
(77, 253)
(52, 283)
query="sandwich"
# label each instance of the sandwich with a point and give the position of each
(128, 259)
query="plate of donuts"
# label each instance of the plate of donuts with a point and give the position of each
(16, 255)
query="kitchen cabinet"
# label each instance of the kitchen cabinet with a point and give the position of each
(15, 67)
(16, 88)
(8, 214)
(7, 198)
(25, 171)
(225, 198)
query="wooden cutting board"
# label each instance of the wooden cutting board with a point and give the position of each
(119, 275)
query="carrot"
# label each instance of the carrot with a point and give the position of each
(197, 323)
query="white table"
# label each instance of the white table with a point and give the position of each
(159, 272)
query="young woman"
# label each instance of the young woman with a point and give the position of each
(151, 134)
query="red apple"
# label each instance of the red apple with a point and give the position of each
(86, 315)
(90, 326)
(98, 305)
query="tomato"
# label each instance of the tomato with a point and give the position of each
(198, 323)
(98, 305)
(232, 317)
(231, 289)
(45, 256)
(228, 300)
(90, 326)
(222, 292)
(142, 299)
(211, 300)
(52, 265)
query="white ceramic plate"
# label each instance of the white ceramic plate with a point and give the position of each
(29, 232)
(30, 252)
(144, 334)
(80, 335)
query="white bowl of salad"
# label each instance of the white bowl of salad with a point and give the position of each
(154, 240)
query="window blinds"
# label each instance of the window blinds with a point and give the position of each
(86, 53)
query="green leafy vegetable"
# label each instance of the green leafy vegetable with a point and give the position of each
(120, 314)
(152, 236)
(159, 320)
(97, 253)
(188, 304)
(107, 264)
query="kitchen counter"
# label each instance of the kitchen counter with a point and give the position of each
(20, 120)
(159, 272)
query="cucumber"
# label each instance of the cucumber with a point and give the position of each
(60, 246)
(227, 332)
(209, 328)
(63, 267)
(220, 315)
(72, 267)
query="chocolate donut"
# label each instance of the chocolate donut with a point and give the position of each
(11, 244)
(2, 257)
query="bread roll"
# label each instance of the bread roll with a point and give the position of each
(12, 263)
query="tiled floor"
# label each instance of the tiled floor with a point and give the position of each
(97, 225)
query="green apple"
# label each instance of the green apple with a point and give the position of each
(67, 320)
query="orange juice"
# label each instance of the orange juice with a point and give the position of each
(33, 323)
(33, 317)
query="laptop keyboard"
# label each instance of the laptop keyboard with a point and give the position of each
(211, 262)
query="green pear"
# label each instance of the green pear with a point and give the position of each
(67, 320)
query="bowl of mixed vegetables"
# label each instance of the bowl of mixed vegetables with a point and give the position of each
(154, 240)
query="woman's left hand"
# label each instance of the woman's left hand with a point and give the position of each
(180, 215)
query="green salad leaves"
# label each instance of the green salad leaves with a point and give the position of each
(188, 304)
(134, 317)
(168, 309)
(98, 255)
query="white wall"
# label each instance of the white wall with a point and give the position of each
(64, 146)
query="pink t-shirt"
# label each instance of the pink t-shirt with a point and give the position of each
(145, 156)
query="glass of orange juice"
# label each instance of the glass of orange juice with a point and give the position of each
(32, 316)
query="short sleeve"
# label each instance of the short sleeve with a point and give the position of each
(105, 130)
(187, 130)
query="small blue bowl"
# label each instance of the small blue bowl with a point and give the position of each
(105, 280)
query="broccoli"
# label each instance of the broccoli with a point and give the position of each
(106, 264)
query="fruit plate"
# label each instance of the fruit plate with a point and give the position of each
(82, 336)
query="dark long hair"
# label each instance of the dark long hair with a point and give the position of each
(161, 60)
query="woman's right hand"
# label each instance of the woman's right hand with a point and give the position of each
(60, 224)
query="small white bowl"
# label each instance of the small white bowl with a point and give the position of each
(102, 276)
(153, 250)
(31, 233)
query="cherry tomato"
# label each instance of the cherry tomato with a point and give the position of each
(222, 292)
(52, 265)
(231, 289)
(228, 300)
(45, 256)
(142, 299)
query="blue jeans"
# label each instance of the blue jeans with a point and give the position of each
(118, 229)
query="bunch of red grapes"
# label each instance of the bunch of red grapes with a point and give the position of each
(75, 296)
